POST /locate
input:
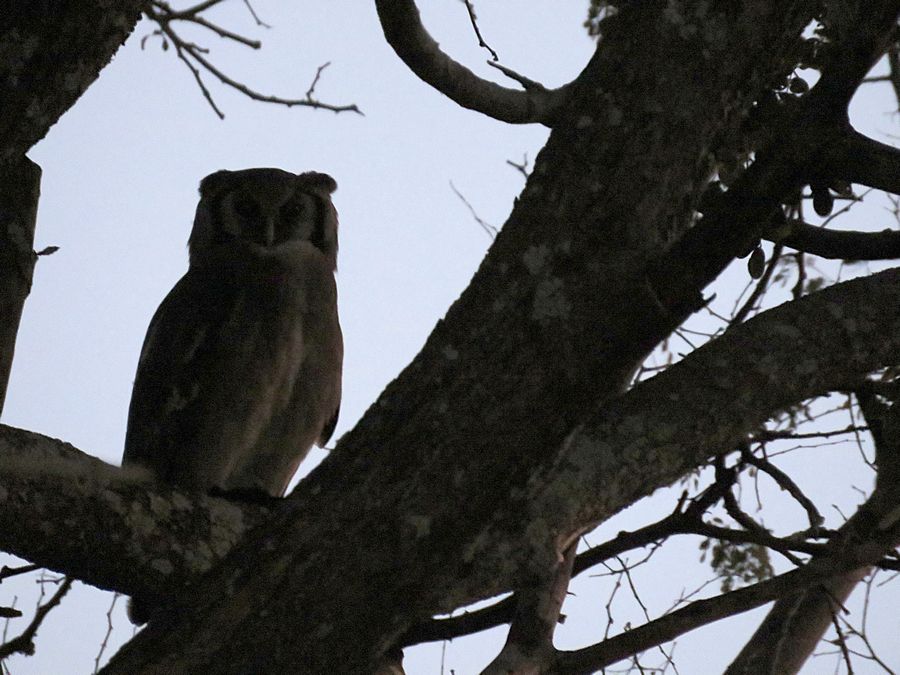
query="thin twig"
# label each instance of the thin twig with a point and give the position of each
(24, 643)
(489, 229)
(193, 56)
(527, 83)
(109, 630)
(254, 15)
(474, 20)
(312, 86)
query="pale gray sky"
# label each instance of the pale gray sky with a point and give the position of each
(119, 190)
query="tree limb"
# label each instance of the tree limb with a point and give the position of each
(837, 244)
(132, 536)
(529, 643)
(404, 31)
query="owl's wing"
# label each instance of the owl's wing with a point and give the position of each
(213, 363)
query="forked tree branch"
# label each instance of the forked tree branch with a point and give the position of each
(795, 625)
(404, 31)
(876, 544)
(196, 58)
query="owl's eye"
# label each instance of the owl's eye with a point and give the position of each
(292, 211)
(246, 207)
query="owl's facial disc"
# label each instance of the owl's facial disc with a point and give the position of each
(277, 219)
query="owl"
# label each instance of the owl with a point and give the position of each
(240, 372)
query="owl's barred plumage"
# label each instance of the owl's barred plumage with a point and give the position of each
(240, 372)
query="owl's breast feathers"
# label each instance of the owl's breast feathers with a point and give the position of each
(240, 371)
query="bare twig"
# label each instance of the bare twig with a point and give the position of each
(7, 572)
(785, 483)
(481, 43)
(489, 229)
(194, 57)
(253, 13)
(24, 643)
(527, 83)
(521, 168)
(109, 630)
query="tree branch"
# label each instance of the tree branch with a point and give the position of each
(858, 159)
(845, 556)
(837, 244)
(722, 391)
(53, 57)
(795, 625)
(24, 643)
(135, 537)
(404, 31)
(189, 53)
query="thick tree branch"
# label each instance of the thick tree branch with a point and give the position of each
(837, 244)
(132, 536)
(865, 34)
(529, 643)
(50, 58)
(19, 192)
(817, 142)
(718, 394)
(684, 520)
(404, 31)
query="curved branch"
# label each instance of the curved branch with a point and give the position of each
(842, 245)
(404, 31)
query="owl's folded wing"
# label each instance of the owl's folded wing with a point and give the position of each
(217, 360)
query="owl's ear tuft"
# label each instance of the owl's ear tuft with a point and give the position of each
(214, 183)
(319, 181)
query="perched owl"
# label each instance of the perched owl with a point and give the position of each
(240, 372)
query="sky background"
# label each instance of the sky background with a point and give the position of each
(119, 189)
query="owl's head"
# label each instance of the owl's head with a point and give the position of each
(267, 207)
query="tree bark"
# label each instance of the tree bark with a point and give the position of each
(19, 194)
(50, 53)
